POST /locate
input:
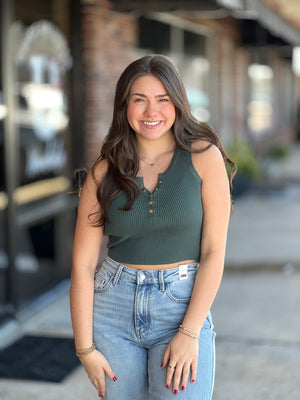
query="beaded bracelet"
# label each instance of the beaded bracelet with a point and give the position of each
(85, 352)
(186, 332)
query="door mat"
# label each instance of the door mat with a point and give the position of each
(39, 358)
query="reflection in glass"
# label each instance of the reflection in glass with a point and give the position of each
(42, 59)
(260, 107)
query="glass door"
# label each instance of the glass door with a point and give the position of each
(37, 147)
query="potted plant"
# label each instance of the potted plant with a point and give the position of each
(276, 153)
(242, 153)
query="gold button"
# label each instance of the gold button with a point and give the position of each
(150, 202)
(160, 181)
(144, 190)
(140, 185)
(150, 211)
(156, 188)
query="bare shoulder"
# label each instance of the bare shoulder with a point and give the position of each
(93, 179)
(210, 159)
(100, 170)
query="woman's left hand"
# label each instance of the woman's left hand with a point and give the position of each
(182, 354)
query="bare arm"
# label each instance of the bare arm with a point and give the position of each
(86, 249)
(216, 202)
(215, 195)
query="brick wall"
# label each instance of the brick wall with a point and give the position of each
(109, 45)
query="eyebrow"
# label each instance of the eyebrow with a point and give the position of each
(143, 95)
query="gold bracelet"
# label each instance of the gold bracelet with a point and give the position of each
(188, 334)
(85, 352)
(196, 335)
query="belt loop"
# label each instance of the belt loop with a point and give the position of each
(117, 275)
(161, 281)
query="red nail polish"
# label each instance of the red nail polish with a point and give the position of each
(193, 380)
(101, 395)
(162, 365)
(114, 378)
(167, 386)
(182, 387)
(175, 391)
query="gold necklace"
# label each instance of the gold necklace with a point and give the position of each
(151, 164)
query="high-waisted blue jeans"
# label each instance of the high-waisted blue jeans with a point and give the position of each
(136, 314)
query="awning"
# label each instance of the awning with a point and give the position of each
(244, 10)
(268, 18)
(165, 5)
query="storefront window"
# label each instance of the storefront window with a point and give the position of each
(3, 207)
(154, 35)
(260, 107)
(3, 199)
(37, 252)
(42, 119)
(42, 60)
(195, 72)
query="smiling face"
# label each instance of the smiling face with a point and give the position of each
(150, 111)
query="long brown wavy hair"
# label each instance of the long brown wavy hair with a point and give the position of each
(120, 145)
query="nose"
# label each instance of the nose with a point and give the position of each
(150, 109)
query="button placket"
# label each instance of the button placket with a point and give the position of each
(150, 199)
(150, 195)
(150, 202)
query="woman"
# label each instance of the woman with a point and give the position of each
(160, 191)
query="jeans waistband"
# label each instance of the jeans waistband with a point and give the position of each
(153, 276)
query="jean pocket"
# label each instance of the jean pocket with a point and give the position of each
(208, 323)
(103, 281)
(180, 291)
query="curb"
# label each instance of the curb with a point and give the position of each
(286, 268)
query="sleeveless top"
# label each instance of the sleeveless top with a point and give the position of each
(164, 226)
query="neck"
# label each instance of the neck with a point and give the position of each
(152, 149)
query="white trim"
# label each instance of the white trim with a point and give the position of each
(180, 22)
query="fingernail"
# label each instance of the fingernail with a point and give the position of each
(193, 380)
(167, 386)
(101, 395)
(182, 387)
(115, 379)
(162, 365)
(175, 391)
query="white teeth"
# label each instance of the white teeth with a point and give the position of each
(151, 123)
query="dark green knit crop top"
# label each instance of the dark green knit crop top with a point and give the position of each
(163, 226)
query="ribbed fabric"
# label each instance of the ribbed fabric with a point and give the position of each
(164, 226)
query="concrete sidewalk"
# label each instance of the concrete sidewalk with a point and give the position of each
(258, 336)
(265, 230)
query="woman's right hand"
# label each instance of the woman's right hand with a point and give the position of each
(96, 366)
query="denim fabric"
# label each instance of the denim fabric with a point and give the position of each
(136, 314)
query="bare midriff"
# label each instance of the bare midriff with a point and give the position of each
(159, 266)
